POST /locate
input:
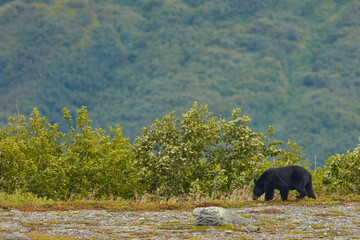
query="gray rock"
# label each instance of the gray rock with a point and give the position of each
(16, 236)
(217, 216)
(197, 211)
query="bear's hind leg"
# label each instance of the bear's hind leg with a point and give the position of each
(302, 192)
(309, 190)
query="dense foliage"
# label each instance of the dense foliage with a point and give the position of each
(343, 171)
(287, 63)
(197, 153)
(200, 153)
(35, 157)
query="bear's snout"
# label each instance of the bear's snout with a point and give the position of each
(255, 197)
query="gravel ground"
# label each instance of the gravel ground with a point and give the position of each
(341, 221)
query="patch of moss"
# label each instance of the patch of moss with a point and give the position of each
(296, 232)
(332, 213)
(289, 226)
(143, 235)
(316, 226)
(331, 203)
(228, 227)
(82, 222)
(179, 226)
(296, 238)
(37, 236)
(357, 223)
(36, 226)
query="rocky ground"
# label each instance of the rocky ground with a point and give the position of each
(323, 221)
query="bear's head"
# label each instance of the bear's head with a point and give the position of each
(259, 189)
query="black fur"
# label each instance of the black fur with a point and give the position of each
(284, 179)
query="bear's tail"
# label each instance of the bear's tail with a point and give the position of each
(309, 189)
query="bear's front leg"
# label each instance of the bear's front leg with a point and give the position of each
(269, 194)
(284, 192)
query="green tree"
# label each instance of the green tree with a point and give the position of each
(46, 176)
(29, 155)
(35, 157)
(200, 152)
(342, 172)
(12, 154)
(97, 162)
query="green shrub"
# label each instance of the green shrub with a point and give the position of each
(201, 153)
(343, 171)
(192, 154)
(36, 158)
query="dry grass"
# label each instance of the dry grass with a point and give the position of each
(236, 199)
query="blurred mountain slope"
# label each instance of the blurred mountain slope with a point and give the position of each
(286, 63)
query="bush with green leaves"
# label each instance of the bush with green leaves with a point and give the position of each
(28, 156)
(98, 162)
(342, 172)
(201, 153)
(35, 157)
(195, 153)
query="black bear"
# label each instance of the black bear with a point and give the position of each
(284, 179)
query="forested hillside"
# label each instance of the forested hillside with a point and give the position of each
(291, 64)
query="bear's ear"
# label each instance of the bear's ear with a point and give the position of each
(255, 180)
